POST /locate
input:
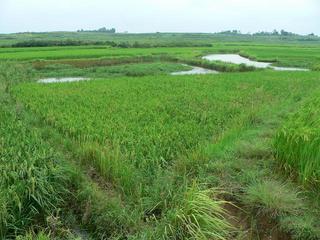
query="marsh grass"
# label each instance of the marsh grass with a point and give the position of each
(33, 184)
(30, 236)
(141, 143)
(113, 166)
(296, 144)
(198, 215)
(306, 226)
(274, 198)
(132, 69)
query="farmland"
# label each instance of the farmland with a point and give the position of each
(137, 153)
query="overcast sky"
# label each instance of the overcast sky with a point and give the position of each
(301, 16)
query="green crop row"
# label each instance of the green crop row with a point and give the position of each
(32, 184)
(284, 55)
(132, 127)
(297, 143)
(144, 136)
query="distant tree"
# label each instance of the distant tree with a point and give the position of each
(230, 32)
(103, 30)
(285, 33)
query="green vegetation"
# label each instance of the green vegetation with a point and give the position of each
(33, 181)
(273, 198)
(297, 142)
(158, 39)
(132, 70)
(138, 154)
(280, 55)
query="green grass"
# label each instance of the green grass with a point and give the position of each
(296, 144)
(133, 70)
(154, 156)
(152, 120)
(281, 55)
(274, 199)
(155, 39)
(40, 236)
(153, 130)
(199, 215)
(33, 184)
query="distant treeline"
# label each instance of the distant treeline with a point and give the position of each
(265, 33)
(103, 30)
(52, 43)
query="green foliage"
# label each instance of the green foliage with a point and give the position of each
(40, 236)
(32, 183)
(197, 215)
(162, 39)
(140, 141)
(296, 144)
(12, 74)
(283, 55)
(273, 198)
(302, 227)
(151, 120)
(133, 70)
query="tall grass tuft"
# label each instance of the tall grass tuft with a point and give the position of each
(297, 143)
(197, 215)
(273, 198)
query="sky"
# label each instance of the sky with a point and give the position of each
(300, 16)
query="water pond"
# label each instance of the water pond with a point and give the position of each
(60, 80)
(237, 59)
(195, 70)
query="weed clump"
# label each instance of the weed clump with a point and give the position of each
(272, 198)
(198, 215)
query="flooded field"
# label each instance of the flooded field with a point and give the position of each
(60, 80)
(237, 59)
(195, 70)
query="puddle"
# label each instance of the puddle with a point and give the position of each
(289, 69)
(237, 59)
(60, 80)
(195, 70)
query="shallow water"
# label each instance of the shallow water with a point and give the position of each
(60, 80)
(237, 59)
(195, 70)
(289, 69)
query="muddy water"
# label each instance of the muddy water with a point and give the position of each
(195, 70)
(60, 80)
(237, 59)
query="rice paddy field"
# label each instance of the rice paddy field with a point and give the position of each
(130, 151)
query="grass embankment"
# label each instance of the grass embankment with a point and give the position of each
(132, 70)
(152, 138)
